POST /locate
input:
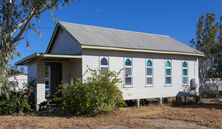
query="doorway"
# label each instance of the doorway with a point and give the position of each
(55, 77)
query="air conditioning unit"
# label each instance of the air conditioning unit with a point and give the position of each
(193, 84)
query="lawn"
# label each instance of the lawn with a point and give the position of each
(206, 115)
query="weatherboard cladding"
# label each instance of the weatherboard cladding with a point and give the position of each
(32, 72)
(139, 90)
(106, 37)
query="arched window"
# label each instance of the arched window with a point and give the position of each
(104, 64)
(185, 73)
(149, 73)
(128, 72)
(128, 62)
(168, 74)
(104, 61)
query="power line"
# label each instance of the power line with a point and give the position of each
(44, 27)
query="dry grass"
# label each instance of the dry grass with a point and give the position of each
(207, 115)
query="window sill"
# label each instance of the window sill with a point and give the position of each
(169, 85)
(128, 86)
(185, 85)
(149, 86)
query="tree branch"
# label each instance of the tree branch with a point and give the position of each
(9, 14)
(26, 23)
(49, 7)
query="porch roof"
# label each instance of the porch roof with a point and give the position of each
(46, 57)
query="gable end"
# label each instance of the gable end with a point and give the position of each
(63, 43)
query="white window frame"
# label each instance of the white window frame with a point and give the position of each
(150, 76)
(166, 73)
(185, 75)
(100, 65)
(124, 75)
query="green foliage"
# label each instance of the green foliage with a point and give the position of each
(209, 41)
(30, 91)
(98, 92)
(16, 102)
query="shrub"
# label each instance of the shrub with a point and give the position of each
(16, 102)
(30, 91)
(98, 92)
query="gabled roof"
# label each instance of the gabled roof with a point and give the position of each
(95, 37)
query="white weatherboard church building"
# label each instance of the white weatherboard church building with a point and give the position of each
(156, 66)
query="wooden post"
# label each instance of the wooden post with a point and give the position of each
(179, 100)
(37, 107)
(138, 103)
(197, 99)
(161, 101)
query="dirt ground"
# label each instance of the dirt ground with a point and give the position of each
(206, 115)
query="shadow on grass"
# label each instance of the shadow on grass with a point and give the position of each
(212, 104)
(66, 115)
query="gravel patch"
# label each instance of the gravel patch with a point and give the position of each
(158, 123)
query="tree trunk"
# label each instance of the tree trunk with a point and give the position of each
(4, 85)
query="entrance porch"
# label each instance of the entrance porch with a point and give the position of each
(48, 71)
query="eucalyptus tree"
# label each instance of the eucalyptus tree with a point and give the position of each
(16, 18)
(209, 41)
(218, 60)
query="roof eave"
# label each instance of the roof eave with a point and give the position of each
(141, 50)
(40, 56)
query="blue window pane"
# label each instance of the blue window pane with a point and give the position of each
(149, 71)
(149, 63)
(149, 80)
(128, 62)
(128, 71)
(185, 80)
(104, 69)
(104, 61)
(185, 64)
(168, 64)
(168, 80)
(184, 71)
(128, 81)
(47, 89)
(168, 71)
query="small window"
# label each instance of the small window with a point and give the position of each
(185, 73)
(128, 72)
(168, 74)
(104, 64)
(149, 73)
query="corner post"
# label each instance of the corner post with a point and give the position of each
(40, 84)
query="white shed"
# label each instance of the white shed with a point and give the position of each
(18, 81)
(156, 66)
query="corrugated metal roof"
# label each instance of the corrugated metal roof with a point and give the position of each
(107, 37)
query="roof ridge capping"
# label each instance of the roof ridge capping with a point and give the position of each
(62, 22)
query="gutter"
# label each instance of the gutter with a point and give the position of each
(141, 50)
